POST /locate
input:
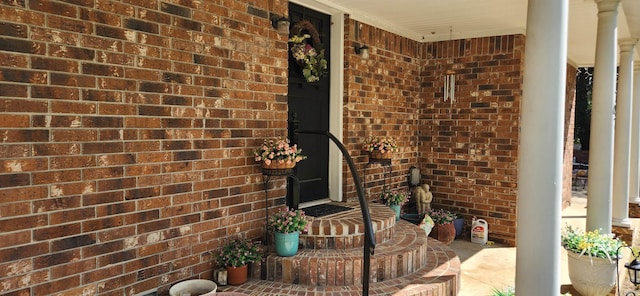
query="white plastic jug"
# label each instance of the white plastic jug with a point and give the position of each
(479, 231)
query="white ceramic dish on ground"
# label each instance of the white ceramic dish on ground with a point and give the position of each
(193, 288)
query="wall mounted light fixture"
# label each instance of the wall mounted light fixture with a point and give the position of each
(363, 51)
(281, 24)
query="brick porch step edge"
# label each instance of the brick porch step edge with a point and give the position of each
(345, 230)
(402, 255)
(439, 277)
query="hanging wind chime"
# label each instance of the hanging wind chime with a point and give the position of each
(450, 86)
(450, 79)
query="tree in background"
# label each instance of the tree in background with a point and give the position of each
(584, 85)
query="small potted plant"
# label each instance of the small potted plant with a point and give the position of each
(592, 258)
(379, 147)
(287, 225)
(236, 253)
(394, 199)
(441, 216)
(278, 154)
(443, 230)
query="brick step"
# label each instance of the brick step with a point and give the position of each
(405, 253)
(345, 230)
(439, 277)
(634, 210)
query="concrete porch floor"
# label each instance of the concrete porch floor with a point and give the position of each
(484, 268)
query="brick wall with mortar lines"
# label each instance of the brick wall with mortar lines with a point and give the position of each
(127, 129)
(469, 148)
(381, 99)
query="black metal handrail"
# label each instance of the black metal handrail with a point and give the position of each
(369, 238)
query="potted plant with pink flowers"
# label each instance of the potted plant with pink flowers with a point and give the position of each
(443, 230)
(379, 147)
(287, 225)
(236, 253)
(394, 199)
(278, 154)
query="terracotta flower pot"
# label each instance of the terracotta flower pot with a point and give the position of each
(445, 233)
(236, 275)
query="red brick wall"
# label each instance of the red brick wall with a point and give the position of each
(126, 138)
(382, 99)
(569, 124)
(469, 148)
(127, 132)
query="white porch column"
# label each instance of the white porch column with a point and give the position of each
(634, 177)
(540, 152)
(622, 148)
(601, 142)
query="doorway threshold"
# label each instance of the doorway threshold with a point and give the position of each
(314, 203)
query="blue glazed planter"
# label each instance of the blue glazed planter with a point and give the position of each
(396, 208)
(459, 224)
(287, 243)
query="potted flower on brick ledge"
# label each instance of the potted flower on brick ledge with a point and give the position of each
(287, 225)
(278, 154)
(235, 255)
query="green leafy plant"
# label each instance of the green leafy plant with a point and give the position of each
(238, 251)
(510, 291)
(278, 150)
(591, 243)
(393, 197)
(383, 144)
(441, 216)
(288, 221)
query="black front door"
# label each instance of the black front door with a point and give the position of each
(309, 103)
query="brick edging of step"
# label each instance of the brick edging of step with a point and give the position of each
(440, 277)
(346, 230)
(402, 255)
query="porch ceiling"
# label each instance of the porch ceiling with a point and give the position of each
(434, 20)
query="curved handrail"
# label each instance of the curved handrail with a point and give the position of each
(369, 238)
